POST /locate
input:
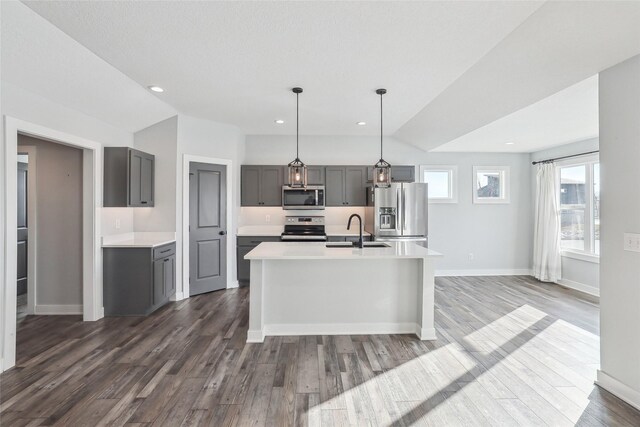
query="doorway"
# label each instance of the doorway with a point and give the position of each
(207, 227)
(91, 153)
(22, 251)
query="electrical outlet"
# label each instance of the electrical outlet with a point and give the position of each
(471, 257)
(632, 242)
(117, 223)
(267, 218)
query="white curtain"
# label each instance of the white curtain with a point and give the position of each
(546, 234)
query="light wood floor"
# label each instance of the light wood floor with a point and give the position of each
(511, 351)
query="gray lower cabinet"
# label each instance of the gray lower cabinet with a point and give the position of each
(398, 173)
(138, 281)
(261, 185)
(244, 246)
(345, 185)
(128, 177)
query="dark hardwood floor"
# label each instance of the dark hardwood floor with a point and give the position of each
(511, 351)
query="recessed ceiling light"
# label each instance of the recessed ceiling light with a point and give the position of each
(509, 143)
(279, 121)
(156, 89)
(361, 123)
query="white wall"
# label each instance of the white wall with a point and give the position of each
(59, 222)
(576, 273)
(498, 236)
(161, 140)
(620, 213)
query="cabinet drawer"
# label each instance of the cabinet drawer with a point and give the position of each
(255, 241)
(164, 251)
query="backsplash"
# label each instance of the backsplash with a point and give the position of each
(276, 215)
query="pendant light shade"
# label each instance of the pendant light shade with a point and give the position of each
(382, 169)
(297, 169)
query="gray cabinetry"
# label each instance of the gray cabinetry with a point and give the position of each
(398, 173)
(128, 177)
(315, 175)
(261, 185)
(245, 245)
(137, 281)
(366, 238)
(345, 185)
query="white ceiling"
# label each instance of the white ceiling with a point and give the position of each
(235, 62)
(567, 116)
(40, 58)
(560, 44)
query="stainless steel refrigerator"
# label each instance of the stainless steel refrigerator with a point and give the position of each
(398, 212)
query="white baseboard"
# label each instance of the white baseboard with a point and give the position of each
(341, 329)
(579, 287)
(1, 365)
(233, 284)
(623, 391)
(177, 297)
(255, 336)
(49, 309)
(488, 272)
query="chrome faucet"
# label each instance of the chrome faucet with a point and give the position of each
(360, 241)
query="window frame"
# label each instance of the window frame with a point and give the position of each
(505, 182)
(588, 253)
(452, 170)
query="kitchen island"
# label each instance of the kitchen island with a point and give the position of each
(303, 288)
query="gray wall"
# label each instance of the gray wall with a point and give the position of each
(59, 222)
(161, 141)
(575, 273)
(620, 213)
(498, 236)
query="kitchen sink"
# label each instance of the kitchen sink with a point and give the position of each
(351, 245)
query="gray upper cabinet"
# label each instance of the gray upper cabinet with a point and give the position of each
(315, 175)
(128, 177)
(345, 185)
(398, 173)
(261, 185)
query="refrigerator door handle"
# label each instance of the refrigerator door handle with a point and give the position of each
(404, 197)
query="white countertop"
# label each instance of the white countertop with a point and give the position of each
(276, 230)
(318, 250)
(138, 240)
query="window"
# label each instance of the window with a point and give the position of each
(580, 205)
(442, 182)
(491, 184)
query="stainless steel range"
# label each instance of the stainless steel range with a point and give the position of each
(304, 229)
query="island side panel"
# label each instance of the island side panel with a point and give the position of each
(341, 296)
(256, 302)
(427, 329)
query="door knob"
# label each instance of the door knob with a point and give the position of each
(222, 233)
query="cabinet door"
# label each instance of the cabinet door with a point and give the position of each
(141, 177)
(355, 186)
(169, 276)
(315, 175)
(271, 182)
(158, 281)
(335, 238)
(403, 173)
(147, 180)
(334, 186)
(244, 266)
(250, 186)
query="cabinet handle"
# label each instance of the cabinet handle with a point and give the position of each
(167, 259)
(144, 203)
(166, 250)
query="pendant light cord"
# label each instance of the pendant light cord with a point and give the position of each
(380, 126)
(297, 124)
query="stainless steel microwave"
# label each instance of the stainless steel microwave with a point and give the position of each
(309, 197)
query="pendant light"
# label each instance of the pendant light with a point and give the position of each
(382, 169)
(297, 169)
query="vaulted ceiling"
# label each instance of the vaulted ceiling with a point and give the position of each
(450, 67)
